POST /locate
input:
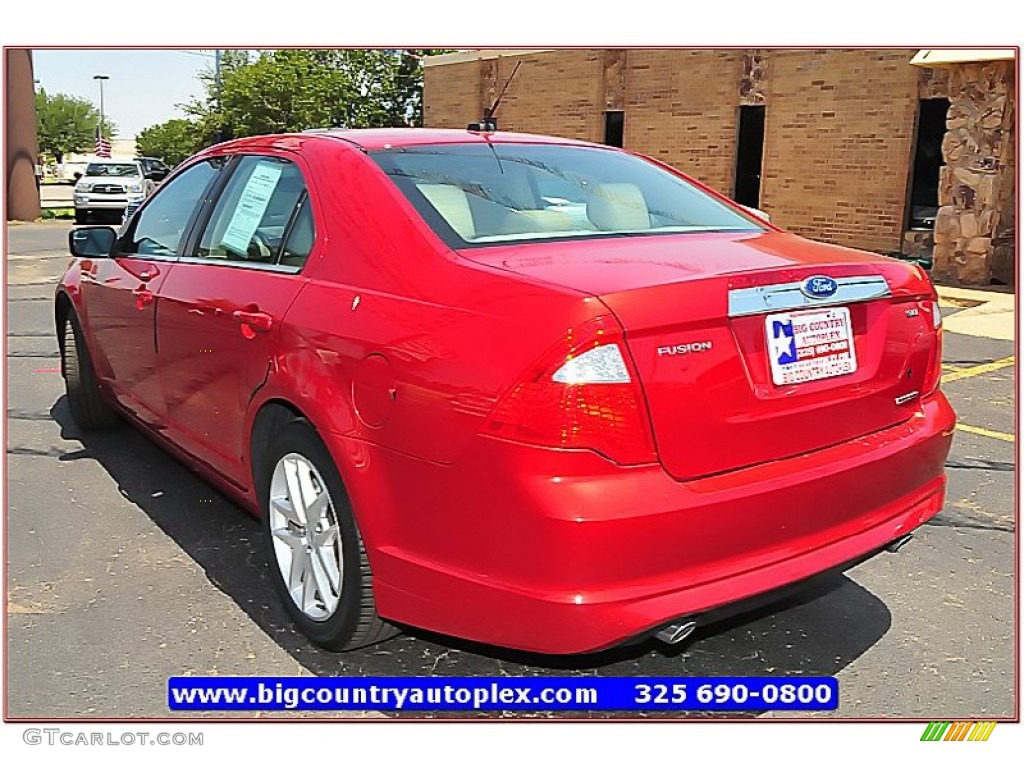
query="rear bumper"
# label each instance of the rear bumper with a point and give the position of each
(563, 552)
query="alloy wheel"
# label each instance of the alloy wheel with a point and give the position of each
(306, 536)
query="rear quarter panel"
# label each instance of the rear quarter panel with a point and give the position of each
(395, 340)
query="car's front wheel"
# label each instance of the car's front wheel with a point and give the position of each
(81, 217)
(319, 564)
(88, 408)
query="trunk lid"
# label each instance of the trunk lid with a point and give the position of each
(702, 316)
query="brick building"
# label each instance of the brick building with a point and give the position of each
(856, 147)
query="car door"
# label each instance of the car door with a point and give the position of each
(120, 293)
(222, 305)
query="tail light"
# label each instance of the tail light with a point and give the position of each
(931, 381)
(584, 394)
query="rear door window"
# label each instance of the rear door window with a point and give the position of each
(299, 241)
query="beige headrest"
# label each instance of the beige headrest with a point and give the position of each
(453, 205)
(524, 222)
(618, 207)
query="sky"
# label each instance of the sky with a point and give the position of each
(145, 87)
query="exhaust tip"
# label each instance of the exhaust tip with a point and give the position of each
(676, 633)
(897, 544)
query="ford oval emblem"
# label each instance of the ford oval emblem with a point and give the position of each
(819, 287)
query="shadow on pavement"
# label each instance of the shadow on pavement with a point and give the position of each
(818, 632)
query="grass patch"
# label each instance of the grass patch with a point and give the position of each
(57, 213)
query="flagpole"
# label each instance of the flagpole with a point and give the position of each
(99, 126)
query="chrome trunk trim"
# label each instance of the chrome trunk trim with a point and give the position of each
(788, 296)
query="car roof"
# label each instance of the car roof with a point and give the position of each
(370, 139)
(388, 138)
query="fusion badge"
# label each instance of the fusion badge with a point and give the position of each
(685, 349)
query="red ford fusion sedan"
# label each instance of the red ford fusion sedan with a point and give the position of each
(533, 392)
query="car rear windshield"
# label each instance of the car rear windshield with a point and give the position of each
(486, 194)
(112, 169)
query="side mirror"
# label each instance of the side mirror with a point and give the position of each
(77, 175)
(758, 212)
(91, 242)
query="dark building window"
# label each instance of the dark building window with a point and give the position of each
(614, 124)
(749, 151)
(924, 179)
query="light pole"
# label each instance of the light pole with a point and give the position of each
(101, 78)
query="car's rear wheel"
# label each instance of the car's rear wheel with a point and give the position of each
(88, 408)
(319, 564)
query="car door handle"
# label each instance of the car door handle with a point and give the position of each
(143, 297)
(257, 321)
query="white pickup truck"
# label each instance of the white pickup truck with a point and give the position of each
(109, 187)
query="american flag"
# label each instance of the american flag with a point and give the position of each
(102, 147)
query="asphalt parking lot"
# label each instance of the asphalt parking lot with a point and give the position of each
(124, 568)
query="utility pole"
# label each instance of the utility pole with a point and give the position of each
(221, 133)
(216, 73)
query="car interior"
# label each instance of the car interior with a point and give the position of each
(241, 197)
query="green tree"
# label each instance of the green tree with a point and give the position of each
(408, 108)
(66, 124)
(292, 90)
(173, 140)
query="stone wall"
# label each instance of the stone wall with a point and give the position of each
(974, 227)
(755, 77)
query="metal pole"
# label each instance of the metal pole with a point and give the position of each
(216, 90)
(99, 127)
(216, 74)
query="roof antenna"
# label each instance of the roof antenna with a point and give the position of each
(489, 123)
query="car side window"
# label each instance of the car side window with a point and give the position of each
(252, 214)
(158, 228)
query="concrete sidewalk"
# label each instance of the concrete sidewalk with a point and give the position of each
(988, 313)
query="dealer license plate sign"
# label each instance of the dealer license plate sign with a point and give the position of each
(810, 345)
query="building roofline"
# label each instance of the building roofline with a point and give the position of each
(944, 57)
(480, 54)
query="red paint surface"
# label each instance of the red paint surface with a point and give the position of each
(718, 486)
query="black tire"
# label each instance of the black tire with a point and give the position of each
(354, 623)
(81, 217)
(88, 408)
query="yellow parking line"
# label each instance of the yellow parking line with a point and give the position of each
(986, 432)
(977, 370)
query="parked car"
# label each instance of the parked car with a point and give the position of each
(554, 422)
(154, 168)
(109, 187)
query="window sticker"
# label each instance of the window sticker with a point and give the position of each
(252, 204)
